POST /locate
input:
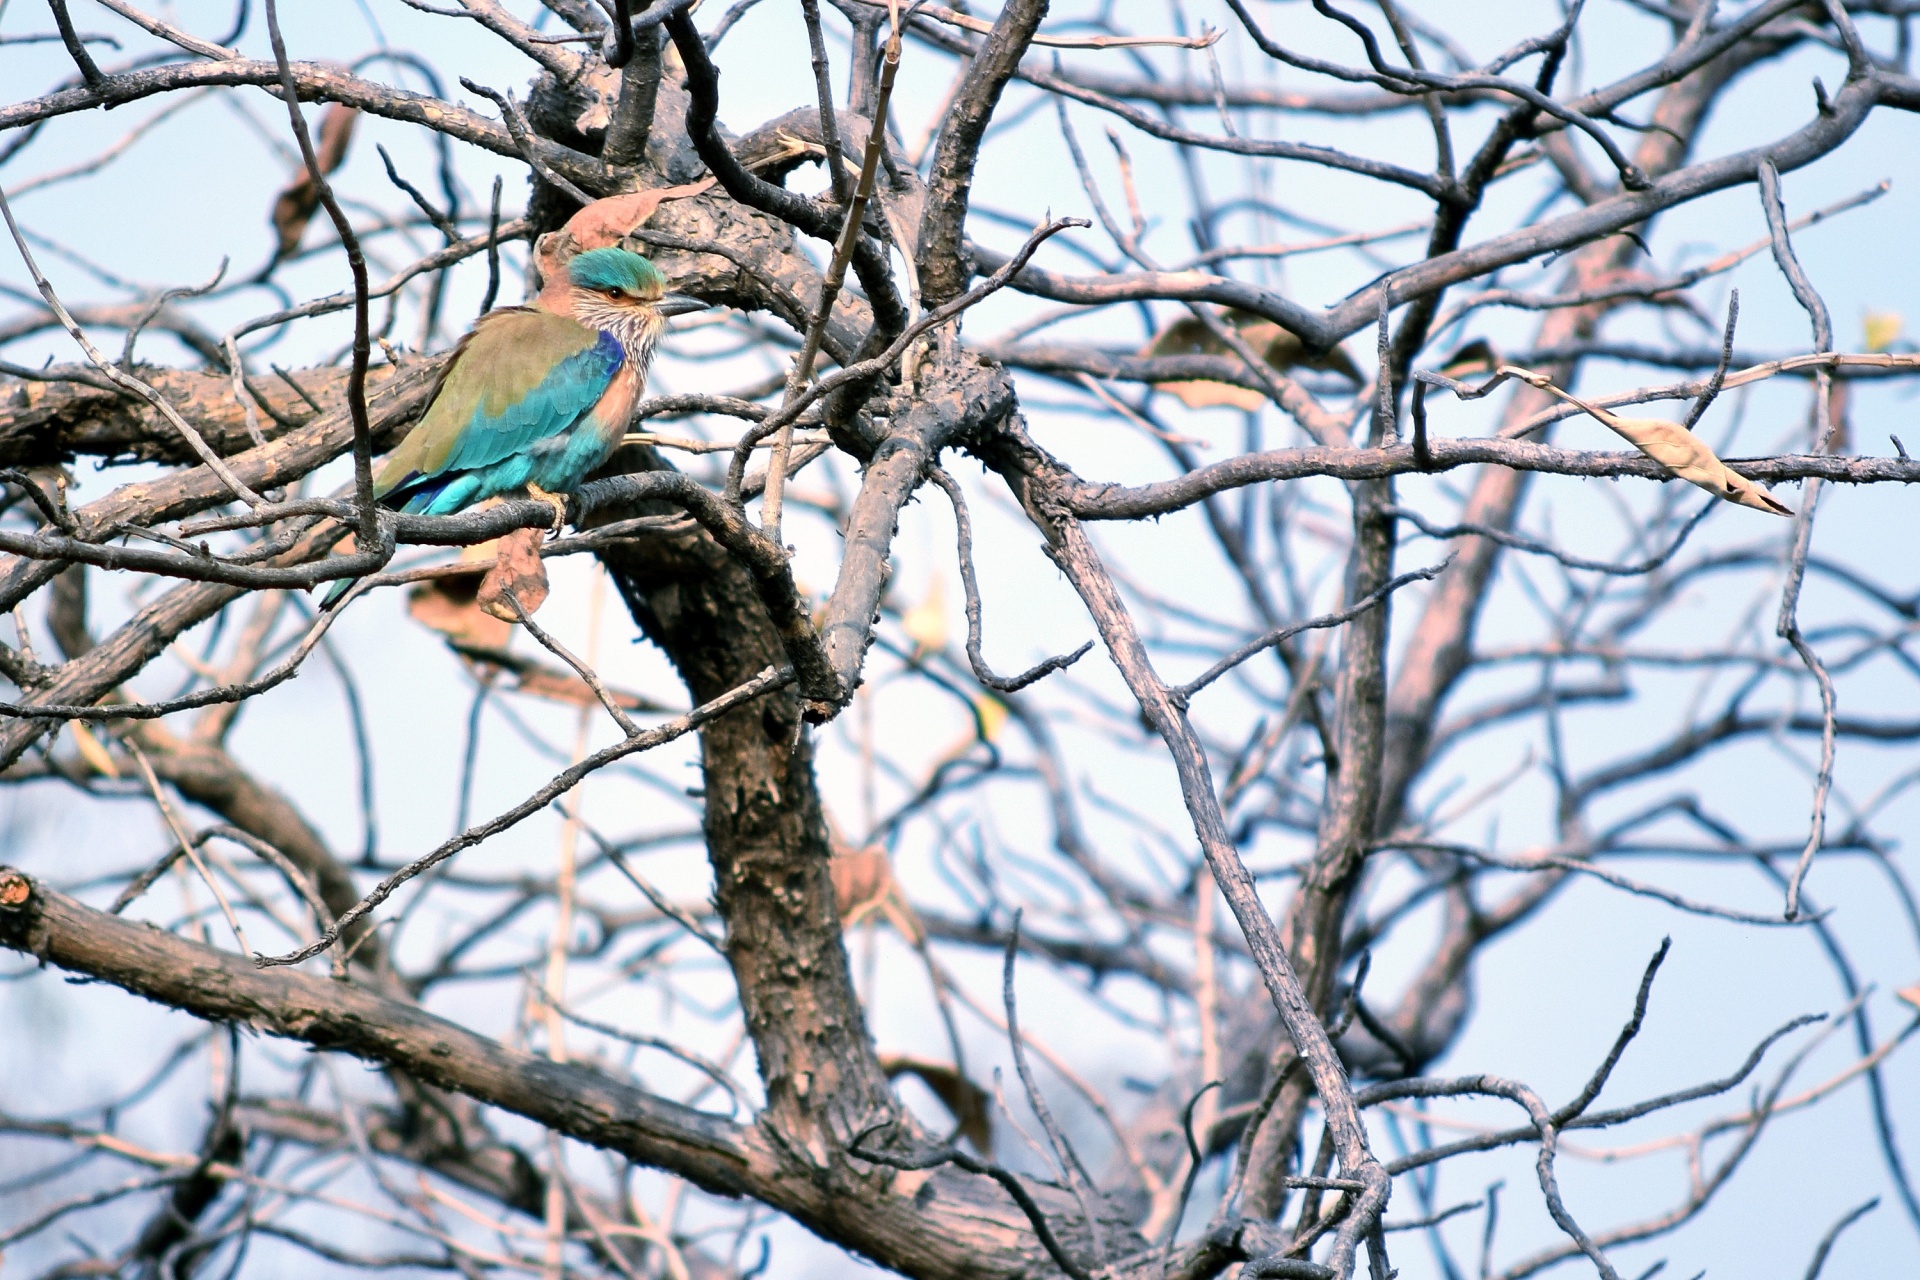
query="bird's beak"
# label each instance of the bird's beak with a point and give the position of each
(678, 304)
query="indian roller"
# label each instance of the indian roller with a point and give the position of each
(534, 398)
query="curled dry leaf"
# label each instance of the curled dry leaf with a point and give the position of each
(861, 878)
(448, 605)
(517, 569)
(294, 207)
(1279, 348)
(603, 223)
(1679, 450)
(965, 1101)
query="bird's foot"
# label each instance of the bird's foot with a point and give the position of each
(555, 500)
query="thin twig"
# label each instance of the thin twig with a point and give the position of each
(120, 378)
(369, 527)
(1184, 692)
(790, 412)
(1826, 1244)
(522, 134)
(1787, 626)
(586, 673)
(493, 252)
(970, 584)
(770, 679)
(185, 842)
(835, 278)
(1071, 1169)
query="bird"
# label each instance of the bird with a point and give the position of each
(535, 398)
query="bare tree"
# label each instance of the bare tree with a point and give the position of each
(598, 1053)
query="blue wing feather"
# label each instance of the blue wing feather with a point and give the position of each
(493, 450)
(573, 386)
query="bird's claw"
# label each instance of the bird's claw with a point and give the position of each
(557, 501)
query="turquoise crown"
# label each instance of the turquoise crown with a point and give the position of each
(615, 269)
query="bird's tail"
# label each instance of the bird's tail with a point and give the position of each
(411, 499)
(335, 593)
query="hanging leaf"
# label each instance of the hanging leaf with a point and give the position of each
(449, 605)
(862, 880)
(1278, 347)
(293, 209)
(1675, 448)
(517, 568)
(965, 1101)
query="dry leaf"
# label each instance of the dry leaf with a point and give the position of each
(861, 879)
(449, 605)
(517, 570)
(603, 223)
(926, 623)
(1278, 347)
(1679, 450)
(293, 209)
(964, 1100)
(863, 886)
(609, 221)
